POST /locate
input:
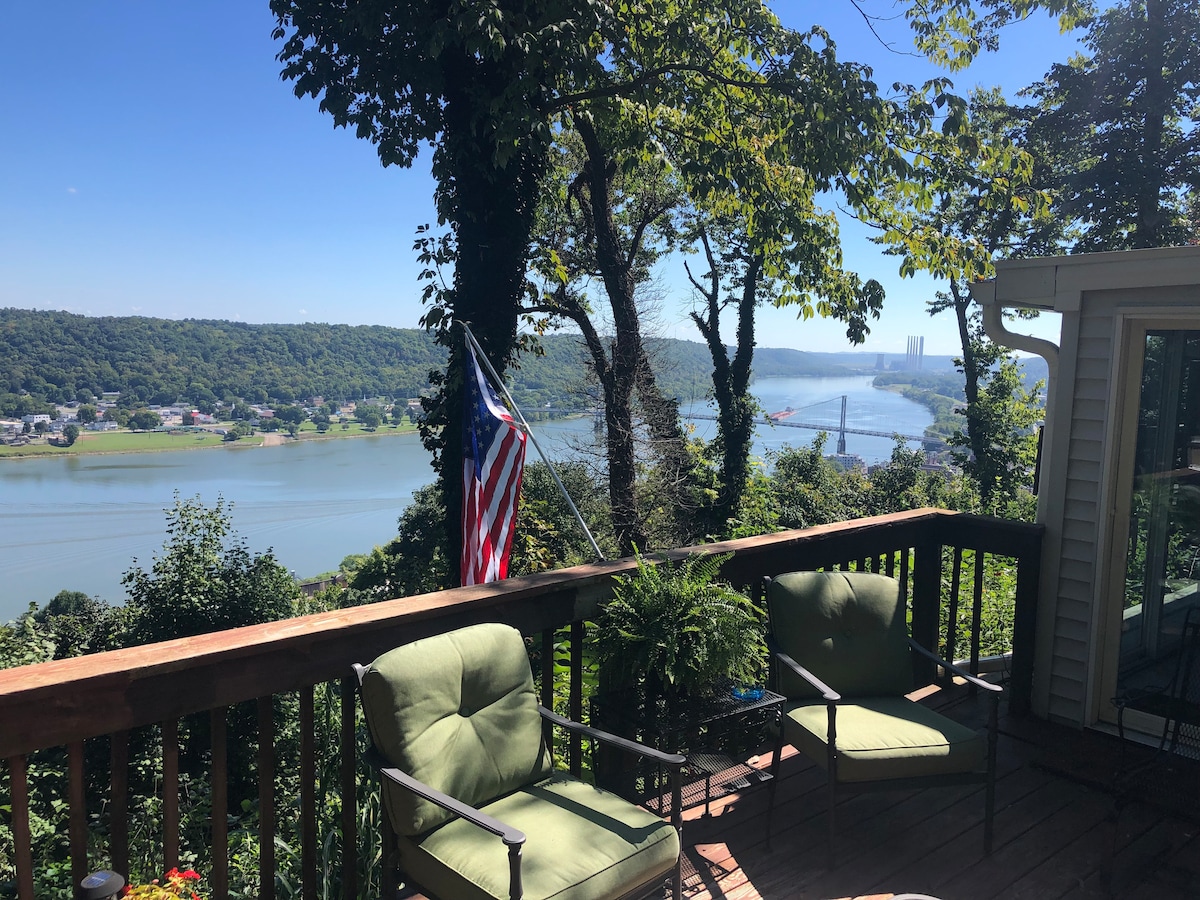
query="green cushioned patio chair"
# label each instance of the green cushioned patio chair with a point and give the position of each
(475, 808)
(844, 659)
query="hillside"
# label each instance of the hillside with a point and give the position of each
(58, 357)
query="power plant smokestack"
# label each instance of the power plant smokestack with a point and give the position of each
(915, 355)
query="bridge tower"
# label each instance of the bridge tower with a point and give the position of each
(841, 447)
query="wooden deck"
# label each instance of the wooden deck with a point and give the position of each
(1055, 834)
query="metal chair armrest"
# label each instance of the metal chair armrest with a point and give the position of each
(667, 759)
(962, 673)
(511, 836)
(827, 693)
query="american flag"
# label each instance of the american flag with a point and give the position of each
(493, 458)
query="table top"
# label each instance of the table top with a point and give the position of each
(686, 712)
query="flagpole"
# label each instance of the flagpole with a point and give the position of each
(499, 382)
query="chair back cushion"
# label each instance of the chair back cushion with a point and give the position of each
(457, 712)
(847, 628)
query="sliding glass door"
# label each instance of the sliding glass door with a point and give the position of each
(1162, 546)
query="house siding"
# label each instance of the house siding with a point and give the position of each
(1091, 390)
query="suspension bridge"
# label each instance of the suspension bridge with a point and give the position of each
(789, 418)
(834, 422)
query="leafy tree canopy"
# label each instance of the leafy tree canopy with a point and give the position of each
(205, 579)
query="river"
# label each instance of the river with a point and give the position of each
(78, 522)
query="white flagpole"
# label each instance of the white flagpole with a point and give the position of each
(499, 382)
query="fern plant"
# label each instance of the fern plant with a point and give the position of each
(674, 629)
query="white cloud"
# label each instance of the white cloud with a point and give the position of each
(72, 190)
(136, 308)
(303, 312)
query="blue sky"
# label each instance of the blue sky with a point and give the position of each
(154, 164)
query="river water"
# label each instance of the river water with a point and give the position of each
(79, 522)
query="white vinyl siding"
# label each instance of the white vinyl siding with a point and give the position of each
(1080, 511)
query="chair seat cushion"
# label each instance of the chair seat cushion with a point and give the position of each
(885, 737)
(582, 843)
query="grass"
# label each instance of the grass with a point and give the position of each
(118, 442)
(153, 441)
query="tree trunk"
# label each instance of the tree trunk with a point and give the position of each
(627, 353)
(731, 388)
(490, 209)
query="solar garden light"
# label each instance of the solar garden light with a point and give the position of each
(102, 885)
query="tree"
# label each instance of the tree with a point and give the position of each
(294, 415)
(70, 434)
(477, 81)
(241, 411)
(369, 415)
(80, 624)
(415, 561)
(1002, 439)
(1122, 125)
(144, 420)
(488, 86)
(86, 414)
(612, 222)
(205, 579)
(976, 216)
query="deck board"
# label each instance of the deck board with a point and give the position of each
(1056, 835)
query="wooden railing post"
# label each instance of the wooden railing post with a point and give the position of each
(118, 817)
(547, 684)
(308, 794)
(77, 807)
(576, 690)
(219, 878)
(1029, 568)
(22, 838)
(926, 602)
(266, 798)
(170, 786)
(350, 794)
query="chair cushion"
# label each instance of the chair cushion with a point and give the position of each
(581, 842)
(885, 737)
(457, 712)
(847, 628)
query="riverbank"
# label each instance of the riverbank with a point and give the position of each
(163, 441)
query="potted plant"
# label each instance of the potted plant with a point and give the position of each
(672, 631)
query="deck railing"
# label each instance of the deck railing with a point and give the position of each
(79, 704)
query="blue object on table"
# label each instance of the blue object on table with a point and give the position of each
(747, 692)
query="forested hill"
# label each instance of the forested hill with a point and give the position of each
(59, 356)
